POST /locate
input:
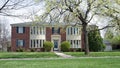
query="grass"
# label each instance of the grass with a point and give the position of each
(62, 63)
(93, 54)
(52, 55)
(27, 54)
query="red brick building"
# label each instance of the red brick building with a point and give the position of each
(32, 36)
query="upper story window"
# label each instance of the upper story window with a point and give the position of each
(20, 29)
(72, 31)
(20, 42)
(55, 30)
(37, 30)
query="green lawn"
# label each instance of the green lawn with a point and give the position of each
(93, 54)
(63, 63)
(27, 54)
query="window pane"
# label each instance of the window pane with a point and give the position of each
(74, 30)
(68, 30)
(33, 30)
(55, 30)
(37, 30)
(20, 42)
(34, 43)
(20, 30)
(71, 30)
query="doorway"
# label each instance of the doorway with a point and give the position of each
(55, 44)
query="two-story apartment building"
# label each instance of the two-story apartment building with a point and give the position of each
(32, 36)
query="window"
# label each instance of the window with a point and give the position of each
(20, 42)
(55, 30)
(36, 43)
(72, 31)
(31, 43)
(37, 30)
(75, 43)
(76, 31)
(20, 29)
(68, 30)
(33, 30)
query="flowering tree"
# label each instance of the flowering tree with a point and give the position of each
(79, 12)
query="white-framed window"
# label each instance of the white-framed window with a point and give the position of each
(37, 30)
(20, 42)
(20, 29)
(72, 31)
(75, 43)
(34, 30)
(36, 43)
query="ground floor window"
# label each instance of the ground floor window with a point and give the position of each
(75, 43)
(36, 43)
(20, 42)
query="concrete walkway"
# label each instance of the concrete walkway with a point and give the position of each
(63, 55)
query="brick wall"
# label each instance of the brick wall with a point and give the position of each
(25, 36)
(63, 35)
(48, 33)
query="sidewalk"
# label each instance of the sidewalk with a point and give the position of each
(63, 55)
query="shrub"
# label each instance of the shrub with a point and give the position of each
(48, 45)
(116, 42)
(95, 41)
(20, 50)
(75, 49)
(103, 47)
(32, 50)
(65, 46)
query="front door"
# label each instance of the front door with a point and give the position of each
(55, 44)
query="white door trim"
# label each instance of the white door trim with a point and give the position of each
(56, 37)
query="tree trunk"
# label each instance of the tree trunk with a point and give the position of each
(85, 39)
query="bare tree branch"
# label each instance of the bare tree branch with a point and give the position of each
(11, 5)
(102, 28)
(4, 5)
(89, 8)
(91, 18)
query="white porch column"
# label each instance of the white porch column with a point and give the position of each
(67, 29)
(38, 43)
(42, 30)
(42, 43)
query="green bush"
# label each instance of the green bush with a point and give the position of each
(116, 42)
(20, 50)
(48, 45)
(32, 50)
(103, 47)
(95, 41)
(65, 46)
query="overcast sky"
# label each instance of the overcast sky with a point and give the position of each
(40, 8)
